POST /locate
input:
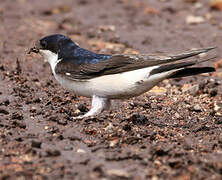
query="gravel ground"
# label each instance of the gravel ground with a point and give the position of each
(172, 132)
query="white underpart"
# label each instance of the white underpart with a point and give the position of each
(115, 86)
(51, 57)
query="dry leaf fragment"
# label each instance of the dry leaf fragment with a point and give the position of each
(218, 64)
(216, 4)
(150, 10)
(158, 90)
(113, 142)
(58, 10)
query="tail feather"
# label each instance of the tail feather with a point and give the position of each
(177, 67)
(191, 71)
(191, 53)
(169, 67)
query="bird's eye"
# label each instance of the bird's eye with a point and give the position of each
(44, 44)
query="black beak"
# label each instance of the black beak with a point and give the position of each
(36, 48)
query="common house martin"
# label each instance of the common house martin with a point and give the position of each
(106, 77)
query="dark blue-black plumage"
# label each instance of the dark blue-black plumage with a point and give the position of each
(69, 51)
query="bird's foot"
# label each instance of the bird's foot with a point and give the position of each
(77, 117)
(81, 117)
(99, 104)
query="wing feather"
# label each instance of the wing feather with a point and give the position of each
(118, 64)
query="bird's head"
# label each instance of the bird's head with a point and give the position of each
(53, 45)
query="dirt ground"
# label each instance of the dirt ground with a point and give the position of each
(172, 132)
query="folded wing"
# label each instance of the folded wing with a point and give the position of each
(123, 63)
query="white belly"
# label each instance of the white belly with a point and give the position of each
(116, 86)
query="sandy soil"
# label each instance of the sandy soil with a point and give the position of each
(172, 132)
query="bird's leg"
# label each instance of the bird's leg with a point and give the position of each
(99, 104)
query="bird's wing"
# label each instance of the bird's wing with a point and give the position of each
(118, 64)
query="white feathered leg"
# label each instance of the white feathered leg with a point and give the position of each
(99, 104)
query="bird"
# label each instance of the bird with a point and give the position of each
(106, 77)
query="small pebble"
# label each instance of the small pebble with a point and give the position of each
(127, 127)
(3, 111)
(114, 142)
(119, 173)
(36, 144)
(68, 148)
(16, 115)
(138, 119)
(198, 5)
(216, 107)
(81, 151)
(194, 19)
(109, 128)
(82, 108)
(52, 153)
(33, 109)
(177, 115)
(193, 90)
(197, 108)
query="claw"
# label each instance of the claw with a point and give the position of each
(99, 104)
(77, 117)
(82, 117)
